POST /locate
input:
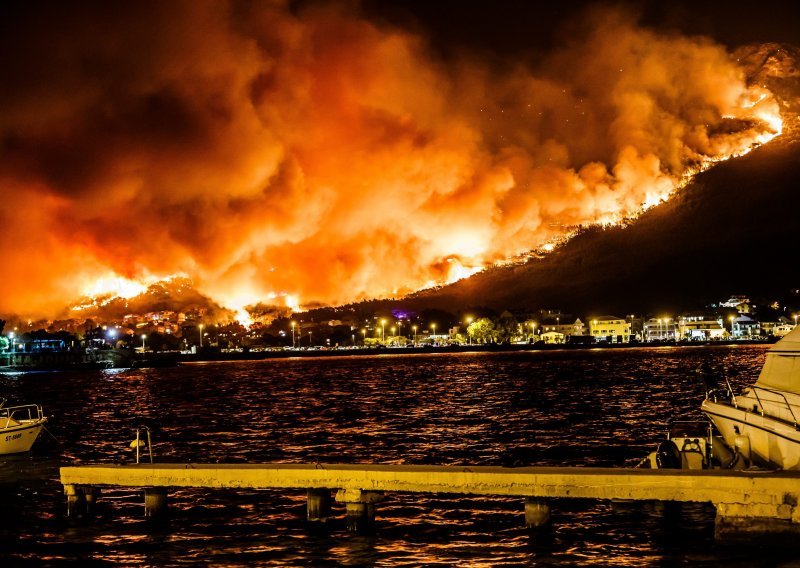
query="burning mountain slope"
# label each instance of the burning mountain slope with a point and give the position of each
(734, 229)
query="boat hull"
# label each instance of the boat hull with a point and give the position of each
(765, 440)
(20, 438)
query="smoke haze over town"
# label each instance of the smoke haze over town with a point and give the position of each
(313, 153)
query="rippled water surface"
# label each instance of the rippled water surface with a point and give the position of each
(583, 408)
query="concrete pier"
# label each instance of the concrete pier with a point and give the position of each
(749, 502)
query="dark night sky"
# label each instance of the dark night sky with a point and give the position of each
(513, 26)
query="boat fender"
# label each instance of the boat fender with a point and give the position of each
(668, 456)
(742, 445)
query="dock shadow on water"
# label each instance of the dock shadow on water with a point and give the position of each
(602, 408)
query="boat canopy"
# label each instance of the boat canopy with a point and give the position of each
(782, 369)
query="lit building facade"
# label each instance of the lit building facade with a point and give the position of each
(700, 328)
(660, 329)
(610, 329)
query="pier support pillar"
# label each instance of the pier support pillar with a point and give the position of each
(740, 522)
(76, 500)
(537, 512)
(155, 501)
(318, 507)
(359, 507)
(90, 496)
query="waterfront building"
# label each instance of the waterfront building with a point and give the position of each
(551, 337)
(660, 329)
(745, 327)
(777, 328)
(637, 327)
(610, 329)
(564, 327)
(700, 327)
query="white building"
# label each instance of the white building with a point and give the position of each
(660, 329)
(745, 327)
(700, 328)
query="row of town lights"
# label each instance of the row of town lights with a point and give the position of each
(399, 329)
(663, 324)
(468, 321)
(392, 329)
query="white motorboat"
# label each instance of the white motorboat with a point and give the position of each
(19, 427)
(761, 423)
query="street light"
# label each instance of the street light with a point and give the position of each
(732, 318)
(795, 320)
(201, 335)
(469, 338)
(414, 328)
(433, 327)
(144, 336)
(383, 331)
(293, 344)
(309, 339)
(13, 341)
(392, 330)
(364, 331)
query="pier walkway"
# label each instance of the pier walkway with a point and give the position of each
(746, 501)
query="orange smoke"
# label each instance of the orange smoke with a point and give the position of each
(321, 157)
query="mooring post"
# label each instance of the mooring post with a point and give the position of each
(537, 512)
(155, 501)
(318, 507)
(359, 507)
(76, 501)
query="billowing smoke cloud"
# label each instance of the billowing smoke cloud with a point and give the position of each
(318, 155)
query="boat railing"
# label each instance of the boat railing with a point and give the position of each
(9, 415)
(714, 393)
(755, 390)
(730, 392)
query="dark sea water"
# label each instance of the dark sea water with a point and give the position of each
(582, 408)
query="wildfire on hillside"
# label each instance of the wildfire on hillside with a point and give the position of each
(315, 156)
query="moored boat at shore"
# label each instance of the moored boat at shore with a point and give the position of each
(19, 427)
(761, 424)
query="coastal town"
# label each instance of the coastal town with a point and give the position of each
(196, 332)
